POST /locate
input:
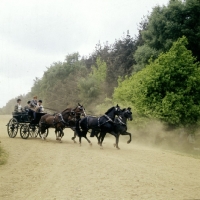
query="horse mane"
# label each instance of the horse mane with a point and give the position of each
(66, 110)
(71, 109)
(109, 110)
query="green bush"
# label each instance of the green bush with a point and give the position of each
(3, 156)
(167, 89)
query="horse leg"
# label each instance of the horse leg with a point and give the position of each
(97, 134)
(117, 141)
(127, 133)
(73, 138)
(101, 138)
(80, 140)
(56, 133)
(41, 132)
(98, 139)
(87, 140)
(61, 134)
(83, 134)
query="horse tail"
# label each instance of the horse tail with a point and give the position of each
(82, 127)
(77, 128)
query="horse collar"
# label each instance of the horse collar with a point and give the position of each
(108, 118)
(60, 115)
(120, 121)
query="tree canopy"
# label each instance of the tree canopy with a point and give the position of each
(167, 89)
(168, 23)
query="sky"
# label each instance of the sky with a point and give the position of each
(36, 33)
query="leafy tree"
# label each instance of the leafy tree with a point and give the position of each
(142, 56)
(121, 59)
(167, 89)
(58, 86)
(91, 87)
(166, 24)
(118, 58)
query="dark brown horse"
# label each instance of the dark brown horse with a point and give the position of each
(59, 121)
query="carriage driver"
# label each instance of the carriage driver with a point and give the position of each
(33, 103)
(33, 107)
(18, 107)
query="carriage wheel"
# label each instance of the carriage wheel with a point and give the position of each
(12, 127)
(24, 131)
(33, 130)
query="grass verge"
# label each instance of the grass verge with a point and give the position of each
(3, 156)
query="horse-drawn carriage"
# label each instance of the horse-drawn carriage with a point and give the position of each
(71, 118)
(28, 127)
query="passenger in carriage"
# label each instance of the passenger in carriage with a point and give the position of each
(40, 107)
(28, 110)
(33, 107)
(18, 107)
(27, 107)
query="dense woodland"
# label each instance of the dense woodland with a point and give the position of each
(156, 72)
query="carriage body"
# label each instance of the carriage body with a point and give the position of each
(21, 117)
(23, 121)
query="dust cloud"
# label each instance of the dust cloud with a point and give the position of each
(156, 134)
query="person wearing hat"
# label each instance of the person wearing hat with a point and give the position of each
(40, 107)
(18, 106)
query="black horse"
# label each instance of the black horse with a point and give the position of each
(121, 124)
(103, 124)
(120, 127)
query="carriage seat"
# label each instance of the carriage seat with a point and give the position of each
(21, 116)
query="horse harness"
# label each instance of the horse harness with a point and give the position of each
(109, 120)
(119, 121)
(61, 119)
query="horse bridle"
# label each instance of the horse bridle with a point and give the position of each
(129, 112)
(80, 108)
(72, 112)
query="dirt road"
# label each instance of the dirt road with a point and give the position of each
(50, 170)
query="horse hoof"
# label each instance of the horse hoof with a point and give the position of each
(114, 145)
(118, 148)
(128, 142)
